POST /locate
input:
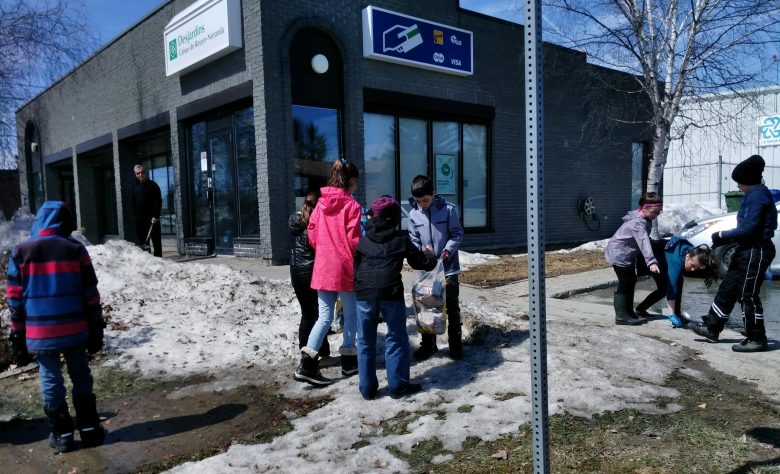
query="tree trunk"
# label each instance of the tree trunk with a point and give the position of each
(660, 150)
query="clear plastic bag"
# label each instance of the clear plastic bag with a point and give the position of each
(428, 299)
(337, 326)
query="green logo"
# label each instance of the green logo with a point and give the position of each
(172, 50)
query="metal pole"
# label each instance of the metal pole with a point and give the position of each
(534, 169)
(720, 181)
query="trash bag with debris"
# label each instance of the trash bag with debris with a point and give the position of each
(337, 326)
(428, 299)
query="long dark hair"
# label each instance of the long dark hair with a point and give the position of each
(309, 203)
(342, 173)
(706, 257)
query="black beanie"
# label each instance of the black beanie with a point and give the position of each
(748, 172)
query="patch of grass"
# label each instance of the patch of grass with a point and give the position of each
(508, 395)
(422, 454)
(360, 444)
(465, 408)
(511, 269)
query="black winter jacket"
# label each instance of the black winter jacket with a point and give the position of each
(147, 200)
(301, 253)
(379, 258)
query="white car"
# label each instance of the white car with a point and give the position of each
(698, 233)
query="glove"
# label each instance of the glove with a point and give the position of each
(95, 342)
(19, 354)
(445, 255)
(717, 240)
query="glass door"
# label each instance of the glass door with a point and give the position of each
(223, 191)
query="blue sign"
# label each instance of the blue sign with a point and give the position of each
(404, 39)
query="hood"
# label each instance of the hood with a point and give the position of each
(333, 200)
(53, 218)
(295, 225)
(379, 230)
(437, 203)
(633, 215)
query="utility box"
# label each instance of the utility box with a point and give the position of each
(732, 200)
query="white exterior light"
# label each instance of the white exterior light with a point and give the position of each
(320, 64)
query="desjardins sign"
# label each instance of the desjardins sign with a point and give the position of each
(201, 33)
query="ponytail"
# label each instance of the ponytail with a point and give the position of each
(309, 203)
(342, 173)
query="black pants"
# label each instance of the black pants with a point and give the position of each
(742, 283)
(310, 310)
(626, 279)
(142, 229)
(452, 293)
(661, 278)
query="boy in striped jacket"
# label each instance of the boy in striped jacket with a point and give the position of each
(55, 310)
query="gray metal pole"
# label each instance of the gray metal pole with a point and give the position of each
(720, 181)
(534, 169)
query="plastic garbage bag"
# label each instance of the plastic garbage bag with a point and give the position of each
(337, 325)
(428, 299)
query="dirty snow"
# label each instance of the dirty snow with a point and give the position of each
(170, 319)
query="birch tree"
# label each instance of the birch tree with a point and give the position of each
(40, 40)
(675, 49)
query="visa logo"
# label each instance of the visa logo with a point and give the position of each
(455, 62)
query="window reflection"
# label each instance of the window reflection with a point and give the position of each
(317, 133)
(379, 155)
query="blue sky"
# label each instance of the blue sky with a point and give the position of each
(111, 17)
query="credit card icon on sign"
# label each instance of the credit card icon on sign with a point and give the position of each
(401, 39)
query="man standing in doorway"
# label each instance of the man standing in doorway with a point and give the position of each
(147, 203)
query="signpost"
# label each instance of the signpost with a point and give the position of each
(412, 41)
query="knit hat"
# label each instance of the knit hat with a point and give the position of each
(385, 207)
(748, 172)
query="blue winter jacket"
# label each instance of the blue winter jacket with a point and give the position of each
(52, 287)
(675, 251)
(756, 219)
(439, 226)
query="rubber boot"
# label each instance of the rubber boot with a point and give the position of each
(349, 365)
(427, 347)
(61, 425)
(624, 313)
(309, 371)
(88, 421)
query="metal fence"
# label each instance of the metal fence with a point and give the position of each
(707, 182)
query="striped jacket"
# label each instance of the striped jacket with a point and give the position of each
(52, 287)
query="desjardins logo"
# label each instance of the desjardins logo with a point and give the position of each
(172, 50)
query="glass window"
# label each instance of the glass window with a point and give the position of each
(474, 211)
(317, 136)
(247, 172)
(200, 207)
(379, 155)
(446, 151)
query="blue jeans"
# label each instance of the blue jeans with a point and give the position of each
(327, 302)
(396, 345)
(50, 376)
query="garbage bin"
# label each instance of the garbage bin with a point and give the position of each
(732, 200)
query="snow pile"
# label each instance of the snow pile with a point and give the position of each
(169, 319)
(468, 259)
(676, 215)
(15, 230)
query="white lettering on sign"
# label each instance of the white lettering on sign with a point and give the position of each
(454, 40)
(455, 62)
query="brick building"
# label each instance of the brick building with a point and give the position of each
(238, 107)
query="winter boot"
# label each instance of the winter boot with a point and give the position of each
(709, 327)
(309, 371)
(427, 347)
(751, 345)
(410, 389)
(349, 365)
(88, 421)
(624, 313)
(61, 425)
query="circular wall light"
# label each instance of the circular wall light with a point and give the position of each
(319, 63)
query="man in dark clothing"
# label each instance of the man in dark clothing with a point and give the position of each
(147, 203)
(756, 224)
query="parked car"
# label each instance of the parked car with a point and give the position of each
(699, 233)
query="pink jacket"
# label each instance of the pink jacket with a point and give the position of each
(334, 232)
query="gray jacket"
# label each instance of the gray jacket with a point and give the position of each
(631, 239)
(439, 226)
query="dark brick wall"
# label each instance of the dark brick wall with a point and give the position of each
(10, 197)
(125, 83)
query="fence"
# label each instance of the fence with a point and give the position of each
(707, 182)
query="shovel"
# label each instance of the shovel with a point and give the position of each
(145, 246)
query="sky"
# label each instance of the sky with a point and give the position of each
(165, 322)
(111, 17)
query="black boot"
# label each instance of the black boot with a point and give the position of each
(88, 421)
(61, 425)
(349, 365)
(427, 347)
(456, 344)
(309, 371)
(709, 327)
(624, 313)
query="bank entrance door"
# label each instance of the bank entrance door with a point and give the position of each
(221, 190)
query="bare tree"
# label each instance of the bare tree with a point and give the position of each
(40, 40)
(675, 49)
